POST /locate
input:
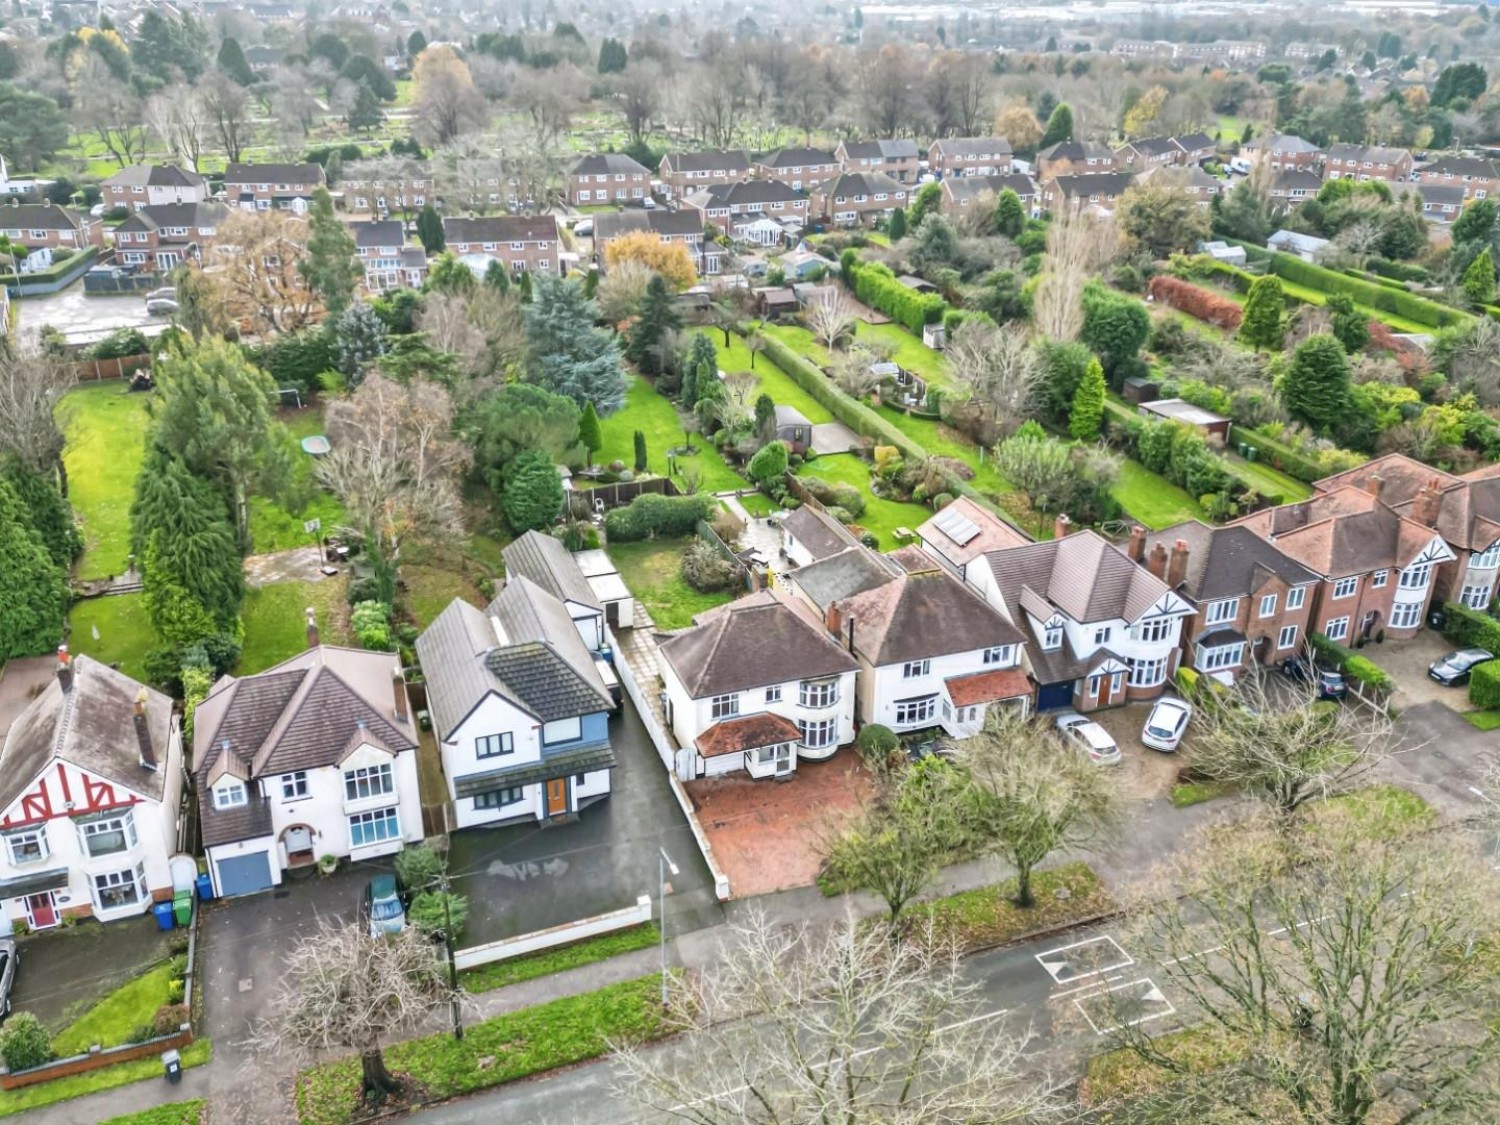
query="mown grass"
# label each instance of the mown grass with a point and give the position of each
(276, 621)
(1122, 1074)
(111, 1021)
(280, 527)
(91, 1082)
(1383, 812)
(106, 429)
(653, 572)
(1152, 500)
(175, 1113)
(657, 418)
(985, 917)
(498, 974)
(1483, 720)
(773, 381)
(1196, 792)
(881, 517)
(1266, 480)
(125, 632)
(941, 440)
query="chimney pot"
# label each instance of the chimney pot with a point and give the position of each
(1375, 484)
(64, 668)
(1157, 563)
(1061, 525)
(1177, 564)
(1137, 547)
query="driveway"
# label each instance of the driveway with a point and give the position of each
(21, 681)
(1406, 662)
(1439, 756)
(64, 971)
(530, 877)
(833, 437)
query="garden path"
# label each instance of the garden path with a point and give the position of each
(300, 564)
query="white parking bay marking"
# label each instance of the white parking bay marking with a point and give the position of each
(1124, 1005)
(1089, 958)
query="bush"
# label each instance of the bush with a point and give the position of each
(419, 867)
(363, 590)
(1408, 306)
(372, 625)
(297, 359)
(650, 515)
(1484, 685)
(1204, 304)
(707, 571)
(169, 1018)
(875, 285)
(24, 1043)
(1353, 666)
(877, 745)
(433, 911)
(118, 344)
(1471, 628)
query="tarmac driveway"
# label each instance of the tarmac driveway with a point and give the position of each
(1439, 756)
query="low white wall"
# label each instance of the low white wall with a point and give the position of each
(566, 934)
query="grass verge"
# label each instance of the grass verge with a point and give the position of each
(111, 1021)
(93, 1081)
(1483, 720)
(106, 427)
(177, 1113)
(1382, 811)
(1122, 1074)
(653, 571)
(1196, 792)
(985, 917)
(125, 632)
(503, 1049)
(498, 974)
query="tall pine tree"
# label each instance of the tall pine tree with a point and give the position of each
(1315, 388)
(330, 266)
(570, 355)
(1059, 126)
(1262, 326)
(430, 231)
(1087, 412)
(658, 317)
(36, 590)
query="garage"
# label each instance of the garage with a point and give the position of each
(1054, 697)
(244, 874)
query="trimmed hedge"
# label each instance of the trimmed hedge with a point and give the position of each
(1349, 662)
(875, 285)
(651, 514)
(1399, 302)
(1399, 271)
(1470, 628)
(1484, 685)
(1204, 304)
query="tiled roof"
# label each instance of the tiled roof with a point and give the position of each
(1341, 532)
(797, 157)
(1075, 150)
(612, 224)
(502, 228)
(1082, 574)
(193, 216)
(850, 572)
(1151, 146)
(1094, 183)
(155, 175)
(1227, 562)
(544, 560)
(611, 163)
(862, 183)
(987, 687)
(965, 530)
(371, 235)
(299, 174)
(971, 187)
(899, 149)
(719, 160)
(1375, 154)
(961, 147)
(37, 216)
(748, 733)
(751, 193)
(820, 533)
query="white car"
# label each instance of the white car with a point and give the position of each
(1166, 724)
(1089, 737)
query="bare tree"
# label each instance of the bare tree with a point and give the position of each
(447, 102)
(831, 316)
(717, 103)
(111, 108)
(257, 254)
(228, 108)
(853, 369)
(32, 420)
(547, 100)
(808, 95)
(1077, 247)
(182, 120)
(958, 87)
(470, 175)
(622, 289)
(886, 84)
(344, 989)
(739, 384)
(639, 92)
(998, 367)
(793, 1026)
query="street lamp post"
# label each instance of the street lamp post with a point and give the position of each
(663, 865)
(458, 1026)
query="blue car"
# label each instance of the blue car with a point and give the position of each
(382, 906)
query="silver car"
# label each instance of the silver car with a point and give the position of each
(10, 961)
(1089, 737)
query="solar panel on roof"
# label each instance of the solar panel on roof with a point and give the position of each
(956, 526)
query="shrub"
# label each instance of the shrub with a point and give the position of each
(875, 285)
(433, 911)
(851, 499)
(1204, 304)
(707, 571)
(1471, 628)
(419, 867)
(650, 515)
(1484, 685)
(24, 1043)
(876, 745)
(1353, 666)
(118, 344)
(843, 515)
(363, 590)
(1408, 306)
(372, 625)
(169, 1018)
(296, 359)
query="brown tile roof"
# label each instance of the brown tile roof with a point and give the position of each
(1083, 574)
(820, 533)
(1402, 477)
(946, 534)
(748, 733)
(1342, 532)
(922, 614)
(986, 687)
(1228, 562)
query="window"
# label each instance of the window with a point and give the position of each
(1287, 637)
(1152, 631)
(724, 706)
(1405, 615)
(1052, 638)
(293, 785)
(370, 781)
(28, 846)
(1380, 578)
(914, 669)
(493, 745)
(1267, 605)
(120, 888)
(773, 694)
(1225, 656)
(1148, 673)
(1337, 629)
(499, 798)
(1221, 611)
(373, 827)
(1102, 635)
(229, 795)
(998, 655)
(1476, 597)
(909, 712)
(817, 735)
(562, 730)
(1295, 597)
(1487, 558)
(1345, 587)
(1096, 681)
(818, 693)
(1416, 576)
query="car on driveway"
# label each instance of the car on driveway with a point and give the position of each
(1166, 724)
(1330, 682)
(10, 960)
(1089, 737)
(1453, 669)
(382, 906)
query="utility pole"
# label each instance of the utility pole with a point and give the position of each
(458, 1026)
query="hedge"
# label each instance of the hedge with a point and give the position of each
(1361, 275)
(1405, 305)
(875, 285)
(1354, 666)
(1471, 628)
(1399, 271)
(1239, 280)
(58, 269)
(1204, 304)
(1290, 461)
(1484, 685)
(651, 514)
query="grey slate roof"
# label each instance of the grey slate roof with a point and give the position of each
(971, 187)
(501, 228)
(611, 163)
(1228, 562)
(959, 147)
(1094, 183)
(544, 560)
(750, 643)
(1151, 146)
(290, 174)
(37, 216)
(373, 234)
(819, 532)
(163, 215)
(850, 572)
(1076, 150)
(612, 224)
(797, 157)
(1083, 574)
(751, 193)
(718, 160)
(862, 183)
(901, 148)
(155, 175)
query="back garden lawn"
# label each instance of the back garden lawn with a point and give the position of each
(656, 417)
(881, 517)
(106, 428)
(1152, 500)
(653, 572)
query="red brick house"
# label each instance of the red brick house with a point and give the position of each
(1148, 152)
(801, 168)
(38, 225)
(896, 158)
(1367, 162)
(961, 194)
(1479, 178)
(969, 156)
(1074, 158)
(525, 243)
(685, 227)
(263, 187)
(857, 198)
(1284, 151)
(1099, 189)
(388, 262)
(163, 237)
(608, 177)
(688, 171)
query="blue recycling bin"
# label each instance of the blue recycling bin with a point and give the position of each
(163, 912)
(205, 887)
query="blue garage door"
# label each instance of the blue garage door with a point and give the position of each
(1054, 697)
(244, 874)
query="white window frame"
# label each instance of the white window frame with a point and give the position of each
(29, 839)
(724, 706)
(1347, 587)
(912, 712)
(294, 785)
(1296, 597)
(1152, 631)
(998, 654)
(817, 694)
(773, 694)
(494, 745)
(1337, 629)
(1146, 673)
(1220, 657)
(1268, 605)
(1487, 559)
(1226, 609)
(1405, 615)
(1052, 638)
(1379, 579)
(1477, 597)
(388, 820)
(916, 669)
(367, 782)
(1287, 637)
(1417, 576)
(124, 824)
(231, 795)
(818, 734)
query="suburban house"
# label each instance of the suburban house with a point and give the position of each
(1442, 203)
(380, 246)
(1253, 603)
(263, 59)
(809, 535)
(1284, 151)
(1367, 162)
(1292, 186)
(314, 757)
(547, 563)
(969, 156)
(857, 198)
(1074, 158)
(960, 192)
(685, 227)
(1094, 190)
(20, 185)
(1376, 567)
(759, 211)
(1148, 152)
(46, 225)
(91, 777)
(802, 168)
(931, 651)
(1191, 179)
(162, 236)
(520, 710)
(380, 189)
(757, 685)
(963, 532)
(1479, 177)
(1464, 510)
(1098, 629)
(608, 177)
(1196, 147)
(525, 243)
(686, 171)
(262, 187)
(150, 185)
(896, 158)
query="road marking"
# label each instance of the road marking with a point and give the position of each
(1066, 968)
(1149, 994)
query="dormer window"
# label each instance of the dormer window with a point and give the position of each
(1052, 638)
(230, 794)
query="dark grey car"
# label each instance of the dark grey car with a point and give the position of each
(10, 961)
(1453, 669)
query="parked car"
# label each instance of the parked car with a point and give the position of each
(1167, 723)
(1330, 681)
(1453, 669)
(584, 227)
(10, 961)
(382, 906)
(1089, 737)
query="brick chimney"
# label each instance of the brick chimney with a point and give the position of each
(1374, 484)
(1428, 502)
(1061, 525)
(1177, 565)
(1137, 547)
(1157, 563)
(64, 668)
(312, 628)
(398, 689)
(143, 732)
(833, 620)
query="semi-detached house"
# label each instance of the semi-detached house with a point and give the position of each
(265, 187)
(672, 227)
(803, 168)
(380, 246)
(758, 211)
(161, 237)
(525, 243)
(151, 185)
(969, 156)
(897, 157)
(608, 177)
(686, 171)
(858, 197)
(46, 226)
(962, 193)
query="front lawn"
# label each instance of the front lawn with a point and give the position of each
(513, 970)
(276, 620)
(504, 1049)
(106, 428)
(987, 917)
(881, 517)
(656, 417)
(91, 1082)
(114, 1019)
(653, 572)
(1483, 720)
(1384, 812)
(1196, 792)
(1152, 500)
(125, 632)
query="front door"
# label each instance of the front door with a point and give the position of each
(298, 840)
(783, 759)
(41, 911)
(557, 796)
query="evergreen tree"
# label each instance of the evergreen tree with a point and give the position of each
(897, 228)
(49, 512)
(640, 452)
(365, 112)
(589, 434)
(928, 200)
(1010, 214)
(334, 168)
(1115, 327)
(519, 417)
(533, 496)
(1477, 223)
(36, 589)
(330, 266)
(1261, 326)
(430, 231)
(702, 356)
(658, 317)
(612, 56)
(1479, 279)
(524, 289)
(497, 277)
(765, 418)
(570, 355)
(1059, 126)
(1315, 389)
(416, 43)
(1349, 326)
(360, 338)
(1087, 413)
(448, 275)
(233, 63)
(768, 465)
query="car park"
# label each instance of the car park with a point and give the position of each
(1167, 723)
(1453, 669)
(1088, 736)
(383, 906)
(1330, 682)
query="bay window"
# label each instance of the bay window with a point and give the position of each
(1217, 659)
(1487, 559)
(373, 827)
(368, 781)
(1153, 631)
(1477, 597)
(818, 693)
(1147, 673)
(1416, 576)
(910, 712)
(1405, 615)
(818, 734)
(116, 889)
(108, 836)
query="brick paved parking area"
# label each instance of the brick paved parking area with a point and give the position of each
(767, 835)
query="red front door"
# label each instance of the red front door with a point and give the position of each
(43, 913)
